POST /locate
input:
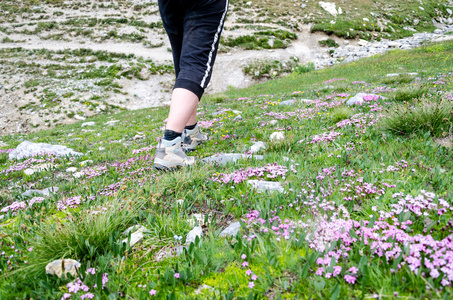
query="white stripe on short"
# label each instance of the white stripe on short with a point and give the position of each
(216, 38)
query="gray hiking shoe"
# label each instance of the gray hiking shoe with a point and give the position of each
(192, 138)
(170, 155)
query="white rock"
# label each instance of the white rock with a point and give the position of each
(330, 8)
(262, 185)
(60, 266)
(101, 148)
(276, 136)
(231, 230)
(71, 170)
(203, 287)
(358, 98)
(3, 144)
(394, 44)
(257, 147)
(86, 162)
(366, 19)
(449, 11)
(273, 122)
(271, 43)
(237, 112)
(180, 201)
(79, 117)
(392, 74)
(139, 137)
(137, 236)
(287, 102)
(78, 174)
(29, 172)
(238, 118)
(307, 101)
(88, 124)
(27, 149)
(224, 158)
(191, 236)
(363, 43)
(111, 123)
(45, 192)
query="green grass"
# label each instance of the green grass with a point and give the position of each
(374, 156)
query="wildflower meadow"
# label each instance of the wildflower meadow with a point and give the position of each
(340, 200)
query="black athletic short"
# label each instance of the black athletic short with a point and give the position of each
(194, 28)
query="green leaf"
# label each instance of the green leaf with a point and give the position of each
(319, 284)
(305, 271)
(336, 292)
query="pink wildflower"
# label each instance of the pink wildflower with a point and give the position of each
(251, 284)
(153, 292)
(66, 296)
(176, 275)
(349, 279)
(245, 264)
(87, 296)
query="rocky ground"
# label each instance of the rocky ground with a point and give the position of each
(63, 61)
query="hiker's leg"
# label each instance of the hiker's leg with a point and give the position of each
(203, 24)
(183, 109)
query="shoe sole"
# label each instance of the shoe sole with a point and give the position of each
(163, 165)
(165, 168)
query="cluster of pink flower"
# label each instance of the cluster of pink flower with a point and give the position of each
(207, 124)
(6, 150)
(382, 89)
(145, 149)
(325, 137)
(273, 171)
(333, 80)
(281, 115)
(21, 205)
(111, 189)
(249, 272)
(281, 228)
(358, 120)
(341, 95)
(384, 238)
(400, 165)
(78, 285)
(24, 165)
(72, 202)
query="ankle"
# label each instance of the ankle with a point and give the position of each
(191, 127)
(170, 135)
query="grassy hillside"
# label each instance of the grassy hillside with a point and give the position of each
(366, 211)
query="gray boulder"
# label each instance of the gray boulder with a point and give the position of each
(224, 158)
(231, 230)
(27, 149)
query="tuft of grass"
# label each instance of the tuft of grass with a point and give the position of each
(410, 93)
(261, 40)
(435, 117)
(401, 78)
(81, 236)
(340, 113)
(328, 43)
(269, 68)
